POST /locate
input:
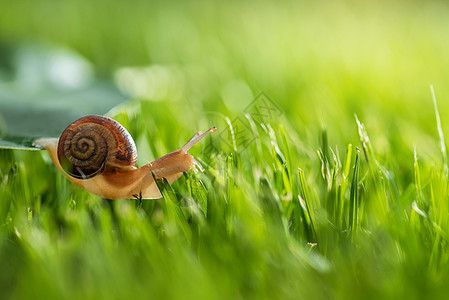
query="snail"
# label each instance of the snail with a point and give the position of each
(99, 155)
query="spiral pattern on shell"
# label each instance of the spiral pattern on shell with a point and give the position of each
(92, 144)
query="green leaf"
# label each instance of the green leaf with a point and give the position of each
(48, 88)
(23, 120)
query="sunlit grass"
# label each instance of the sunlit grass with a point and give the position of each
(252, 225)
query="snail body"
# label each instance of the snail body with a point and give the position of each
(98, 154)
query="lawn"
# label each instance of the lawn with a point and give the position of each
(327, 177)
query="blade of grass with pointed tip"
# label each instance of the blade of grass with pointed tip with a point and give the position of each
(354, 195)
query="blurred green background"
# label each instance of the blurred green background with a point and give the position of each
(189, 65)
(318, 61)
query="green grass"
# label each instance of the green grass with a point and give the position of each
(320, 205)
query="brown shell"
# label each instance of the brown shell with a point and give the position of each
(92, 143)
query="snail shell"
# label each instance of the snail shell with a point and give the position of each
(92, 144)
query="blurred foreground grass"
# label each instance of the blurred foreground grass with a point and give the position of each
(300, 212)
